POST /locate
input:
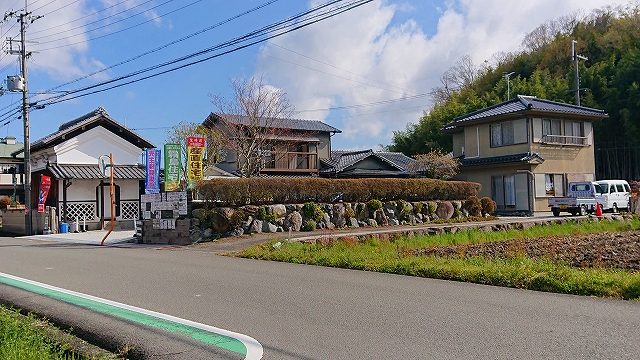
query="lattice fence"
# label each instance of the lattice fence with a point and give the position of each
(80, 210)
(129, 210)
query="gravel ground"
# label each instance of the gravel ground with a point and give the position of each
(606, 250)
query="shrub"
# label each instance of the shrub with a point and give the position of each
(259, 191)
(374, 205)
(436, 164)
(488, 205)
(4, 202)
(310, 225)
(405, 210)
(349, 213)
(473, 206)
(265, 214)
(431, 207)
(417, 207)
(237, 218)
(361, 211)
(312, 211)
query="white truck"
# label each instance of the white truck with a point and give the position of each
(580, 200)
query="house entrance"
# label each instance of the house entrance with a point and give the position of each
(104, 201)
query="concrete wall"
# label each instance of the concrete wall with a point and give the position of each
(480, 136)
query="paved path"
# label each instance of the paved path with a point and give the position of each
(308, 312)
(89, 237)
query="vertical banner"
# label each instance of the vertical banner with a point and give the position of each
(152, 180)
(45, 185)
(195, 153)
(172, 167)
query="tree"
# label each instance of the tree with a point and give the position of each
(436, 165)
(252, 124)
(214, 151)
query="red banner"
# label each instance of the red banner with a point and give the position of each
(45, 185)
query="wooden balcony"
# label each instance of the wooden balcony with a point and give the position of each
(291, 161)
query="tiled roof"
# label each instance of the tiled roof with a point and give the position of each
(135, 172)
(504, 159)
(6, 150)
(523, 104)
(341, 160)
(291, 124)
(84, 122)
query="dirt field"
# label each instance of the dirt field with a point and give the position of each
(610, 250)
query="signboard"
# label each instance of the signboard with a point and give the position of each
(163, 209)
(172, 167)
(45, 185)
(195, 153)
(152, 179)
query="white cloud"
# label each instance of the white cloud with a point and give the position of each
(364, 56)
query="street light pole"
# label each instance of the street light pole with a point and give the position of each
(506, 78)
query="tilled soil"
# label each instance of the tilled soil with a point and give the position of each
(608, 250)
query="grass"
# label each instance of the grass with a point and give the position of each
(27, 338)
(520, 272)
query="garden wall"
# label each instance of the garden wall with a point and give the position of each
(250, 219)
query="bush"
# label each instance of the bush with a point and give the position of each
(310, 225)
(488, 205)
(312, 211)
(405, 211)
(431, 208)
(374, 205)
(259, 191)
(349, 213)
(4, 202)
(436, 164)
(473, 206)
(361, 211)
(237, 219)
(265, 214)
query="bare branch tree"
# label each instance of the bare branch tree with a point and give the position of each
(252, 124)
(215, 151)
(436, 165)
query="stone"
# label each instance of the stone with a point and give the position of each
(321, 225)
(330, 225)
(372, 222)
(220, 219)
(390, 213)
(279, 229)
(199, 213)
(394, 222)
(326, 218)
(381, 218)
(338, 215)
(412, 219)
(419, 216)
(290, 208)
(250, 210)
(256, 227)
(362, 223)
(237, 232)
(293, 221)
(298, 207)
(207, 233)
(278, 210)
(419, 221)
(268, 227)
(444, 210)
(352, 222)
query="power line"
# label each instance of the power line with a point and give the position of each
(89, 15)
(356, 106)
(270, 28)
(97, 21)
(61, 7)
(168, 44)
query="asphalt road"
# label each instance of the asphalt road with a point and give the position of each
(307, 312)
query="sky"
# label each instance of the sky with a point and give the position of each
(366, 71)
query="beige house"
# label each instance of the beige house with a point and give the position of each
(525, 150)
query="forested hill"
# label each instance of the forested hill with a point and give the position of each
(609, 38)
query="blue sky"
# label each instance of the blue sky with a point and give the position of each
(385, 50)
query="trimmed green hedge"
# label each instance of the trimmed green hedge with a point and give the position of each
(259, 191)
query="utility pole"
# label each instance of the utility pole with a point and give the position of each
(24, 18)
(576, 58)
(507, 77)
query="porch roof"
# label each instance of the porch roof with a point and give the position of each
(528, 157)
(121, 172)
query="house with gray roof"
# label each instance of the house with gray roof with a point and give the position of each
(292, 147)
(525, 150)
(366, 164)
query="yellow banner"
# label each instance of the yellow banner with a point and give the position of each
(195, 154)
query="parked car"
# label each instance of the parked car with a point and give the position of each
(581, 199)
(615, 194)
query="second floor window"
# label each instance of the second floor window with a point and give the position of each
(551, 127)
(509, 133)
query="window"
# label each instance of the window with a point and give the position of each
(509, 191)
(509, 133)
(549, 187)
(580, 187)
(627, 188)
(619, 187)
(503, 191)
(551, 127)
(612, 189)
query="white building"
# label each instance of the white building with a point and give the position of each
(71, 155)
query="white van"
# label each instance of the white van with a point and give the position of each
(615, 194)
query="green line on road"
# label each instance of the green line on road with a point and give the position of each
(221, 341)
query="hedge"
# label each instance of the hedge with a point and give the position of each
(258, 191)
